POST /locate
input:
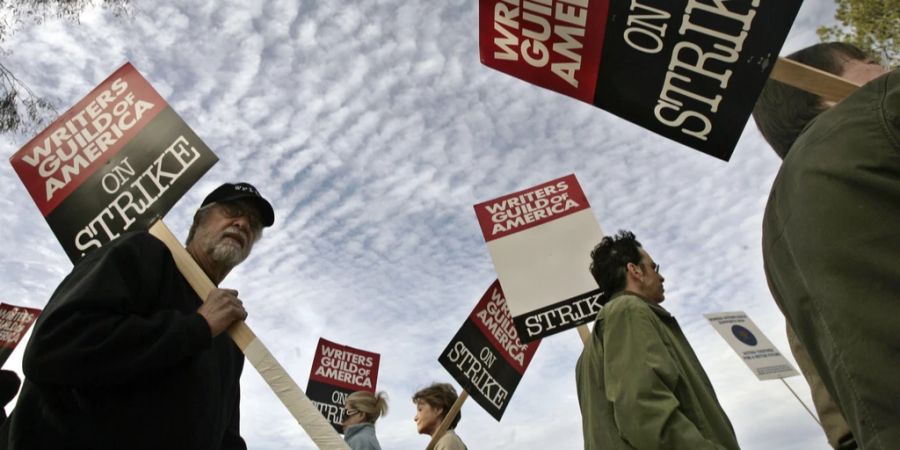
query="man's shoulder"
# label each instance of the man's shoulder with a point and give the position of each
(138, 239)
(836, 133)
(626, 302)
(137, 245)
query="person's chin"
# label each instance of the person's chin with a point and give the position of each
(228, 251)
(233, 242)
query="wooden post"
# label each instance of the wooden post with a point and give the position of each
(585, 333)
(801, 402)
(828, 86)
(303, 410)
(448, 419)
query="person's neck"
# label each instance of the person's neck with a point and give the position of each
(638, 293)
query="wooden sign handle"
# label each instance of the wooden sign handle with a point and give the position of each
(448, 419)
(303, 410)
(828, 86)
(585, 333)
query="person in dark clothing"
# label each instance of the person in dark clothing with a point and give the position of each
(127, 356)
(831, 240)
(9, 387)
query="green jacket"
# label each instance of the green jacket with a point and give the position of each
(640, 385)
(831, 247)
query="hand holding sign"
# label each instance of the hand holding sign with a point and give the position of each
(221, 309)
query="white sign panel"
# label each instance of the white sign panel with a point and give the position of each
(751, 345)
(540, 240)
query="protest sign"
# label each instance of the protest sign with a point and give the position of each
(763, 359)
(486, 356)
(338, 371)
(116, 161)
(14, 323)
(540, 240)
(689, 70)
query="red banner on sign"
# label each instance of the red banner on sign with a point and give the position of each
(54, 163)
(346, 367)
(530, 207)
(14, 323)
(492, 317)
(115, 162)
(554, 44)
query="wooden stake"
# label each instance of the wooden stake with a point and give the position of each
(448, 419)
(828, 86)
(585, 333)
(303, 410)
(801, 402)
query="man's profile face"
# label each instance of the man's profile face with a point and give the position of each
(862, 71)
(651, 282)
(228, 232)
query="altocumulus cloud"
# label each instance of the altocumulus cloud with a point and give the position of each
(373, 128)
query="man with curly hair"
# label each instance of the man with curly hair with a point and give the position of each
(640, 385)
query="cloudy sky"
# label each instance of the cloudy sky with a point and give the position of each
(373, 128)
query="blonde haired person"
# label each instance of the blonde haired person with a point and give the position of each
(361, 410)
(432, 405)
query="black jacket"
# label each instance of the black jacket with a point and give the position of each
(120, 359)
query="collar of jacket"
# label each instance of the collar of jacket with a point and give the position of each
(356, 428)
(658, 310)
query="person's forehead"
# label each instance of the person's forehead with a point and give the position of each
(645, 257)
(246, 206)
(861, 71)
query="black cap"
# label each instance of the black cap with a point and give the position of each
(229, 192)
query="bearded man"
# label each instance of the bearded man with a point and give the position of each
(127, 356)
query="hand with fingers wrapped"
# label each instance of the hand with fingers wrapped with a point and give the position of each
(221, 309)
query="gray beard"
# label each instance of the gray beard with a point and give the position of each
(225, 253)
(221, 251)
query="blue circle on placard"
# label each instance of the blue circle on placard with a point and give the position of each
(744, 335)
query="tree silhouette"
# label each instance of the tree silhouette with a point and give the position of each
(21, 110)
(872, 25)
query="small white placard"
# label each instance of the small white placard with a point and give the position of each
(751, 345)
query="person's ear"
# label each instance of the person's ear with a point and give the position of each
(634, 270)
